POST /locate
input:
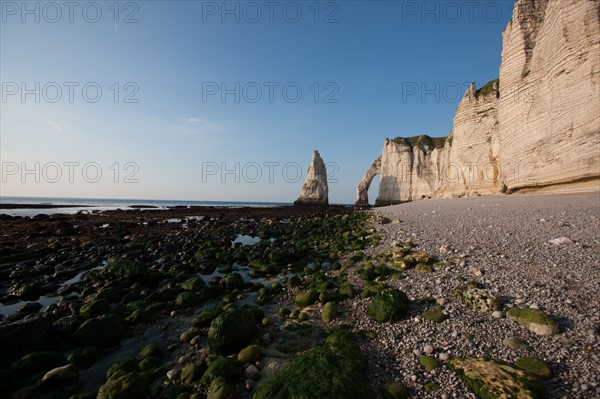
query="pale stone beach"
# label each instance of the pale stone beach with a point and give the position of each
(537, 251)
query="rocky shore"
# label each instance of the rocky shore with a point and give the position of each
(438, 298)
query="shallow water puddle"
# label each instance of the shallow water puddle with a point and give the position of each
(245, 240)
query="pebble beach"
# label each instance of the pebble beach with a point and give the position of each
(298, 276)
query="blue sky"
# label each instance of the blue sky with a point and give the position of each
(227, 100)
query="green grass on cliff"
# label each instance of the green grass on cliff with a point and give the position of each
(435, 142)
(487, 89)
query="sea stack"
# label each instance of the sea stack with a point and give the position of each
(315, 190)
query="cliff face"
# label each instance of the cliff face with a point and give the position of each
(550, 104)
(539, 129)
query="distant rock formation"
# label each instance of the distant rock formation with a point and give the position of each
(315, 190)
(362, 192)
(538, 127)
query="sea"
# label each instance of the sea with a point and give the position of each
(105, 204)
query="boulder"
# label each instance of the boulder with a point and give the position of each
(480, 300)
(61, 376)
(103, 331)
(128, 386)
(231, 331)
(534, 320)
(495, 379)
(389, 306)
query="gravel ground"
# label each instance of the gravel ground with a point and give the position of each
(505, 244)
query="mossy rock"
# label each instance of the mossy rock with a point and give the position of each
(347, 290)
(84, 357)
(36, 362)
(480, 300)
(189, 334)
(424, 268)
(250, 354)
(394, 391)
(431, 387)
(433, 315)
(535, 366)
(231, 331)
(193, 372)
(333, 371)
(534, 320)
(103, 331)
(122, 368)
(389, 306)
(222, 367)
(95, 308)
(187, 300)
(428, 362)
(129, 386)
(419, 257)
(231, 281)
(120, 269)
(150, 350)
(328, 312)
(112, 295)
(60, 376)
(204, 318)
(139, 316)
(493, 379)
(306, 299)
(149, 363)
(219, 389)
(193, 284)
(516, 344)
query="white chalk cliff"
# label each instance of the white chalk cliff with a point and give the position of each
(536, 128)
(315, 190)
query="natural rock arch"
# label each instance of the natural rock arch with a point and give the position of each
(362, 191)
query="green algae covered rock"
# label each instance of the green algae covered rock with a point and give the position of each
(231, 331)
(491, 379)
(193, 372)
(222, 367)
(219, 389)
(249, 354)
(328, 312)
(394, 391)
(389, 306)
(333, 371)
(128, 386)
(35, 362)
(535, 366)
(434, 315)
(479, 300)
(306, 299)
(95, 308)
(534, 320)
(428, 362)
(101, 331)
(84, 357)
